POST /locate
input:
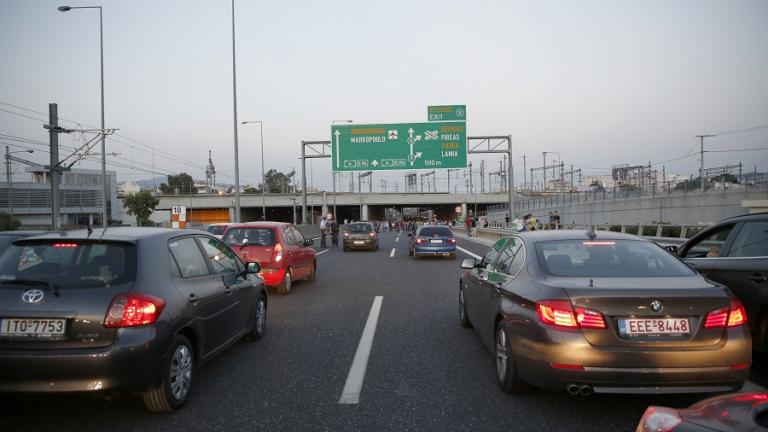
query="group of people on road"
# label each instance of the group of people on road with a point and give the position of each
(530, 223)
(329, 226)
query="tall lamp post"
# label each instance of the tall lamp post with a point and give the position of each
(106, 192)
(9, 174)
(263, 176)
(334, 172)
(234, 104)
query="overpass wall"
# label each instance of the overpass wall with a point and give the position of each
(676, 209)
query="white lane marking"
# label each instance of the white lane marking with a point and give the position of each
(469, 253)
(321, 252)
(392, 254)
(397, 239)
(354, 384)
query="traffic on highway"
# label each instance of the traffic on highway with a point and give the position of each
(93, 322)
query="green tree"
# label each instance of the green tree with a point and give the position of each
(8, 222)
(183, 183)
(727, 178)
(251, 190)
(141, 204)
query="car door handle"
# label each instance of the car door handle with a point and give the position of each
(758, 277)
(193, 298)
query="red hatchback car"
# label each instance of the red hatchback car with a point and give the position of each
(280, 249)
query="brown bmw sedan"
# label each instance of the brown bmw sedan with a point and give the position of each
(603, 312)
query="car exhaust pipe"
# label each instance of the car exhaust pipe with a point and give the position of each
(573, 389)
(586, 390)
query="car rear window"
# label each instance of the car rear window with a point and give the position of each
(255, 236)
(360, 228)
(435, 232)
(216, 229)
(67, 263)
(608, 258)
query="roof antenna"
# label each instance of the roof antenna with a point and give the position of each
(591, 233)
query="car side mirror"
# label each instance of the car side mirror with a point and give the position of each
(252, 268)
(469, 263)
(308, 243)
(671, 249)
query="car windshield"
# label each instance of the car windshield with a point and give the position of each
(216, 229)
(255, 236)
(360, 228)
(435, 232)
(608, 258)
(67, 263)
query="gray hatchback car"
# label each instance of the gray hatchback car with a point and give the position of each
(129, 310)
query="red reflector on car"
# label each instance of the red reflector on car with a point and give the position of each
(65, 245)
(567, 366)
(740, 366)
(133, 309)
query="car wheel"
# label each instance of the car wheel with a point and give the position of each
(506, 373)
(311, 277)
(176, 382)
(287, 283)
(463, 317)
(259, 319)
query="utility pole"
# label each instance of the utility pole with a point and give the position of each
(524, 173)
(53, 122)
(544, 154)
(701, 167)
(482, 176)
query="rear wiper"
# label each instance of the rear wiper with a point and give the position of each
(51, 285)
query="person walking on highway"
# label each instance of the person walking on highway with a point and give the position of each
(323, 224)
(556, 220)
(335, 233)
(468, 225)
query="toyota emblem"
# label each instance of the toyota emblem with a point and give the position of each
(32, 296)
(656, 306)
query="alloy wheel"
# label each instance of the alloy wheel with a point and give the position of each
(181, 372)
(502, 356)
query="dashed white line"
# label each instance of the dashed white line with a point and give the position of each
(469, 253)
(321, 252)
(397, 239)
(392, 254)
(354, 383)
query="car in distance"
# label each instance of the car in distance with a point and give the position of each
(432, 240)
(282, 252)
(128, 310)
(360, 235)
(602, 312)
(734, 252)
(7, 237)
(217, 229)
(732, 412)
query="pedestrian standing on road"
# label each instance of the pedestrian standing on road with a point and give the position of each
(468, 225)
(550, 221)
(485, 221)
(323, 224)
(335, 233)
(556, 218)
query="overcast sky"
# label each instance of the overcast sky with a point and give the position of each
(600, 82)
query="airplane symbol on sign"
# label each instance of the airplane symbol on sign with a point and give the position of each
(392, 134)
(430, 135)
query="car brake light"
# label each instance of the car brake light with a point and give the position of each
(659, 419)
(346, 234)
(277, 255)
(451, 240)
(561, 313)
(556, 312)
(420, 240)
(133, 309)
(372, 234)
(730, 317)
(589, 319)
(65, 245)
(598, 243)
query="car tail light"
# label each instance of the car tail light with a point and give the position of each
(372, 234)
(561, 313)
(589, 319)
(740, 366)
(556, 312)
(730, 317)
(133, 309)
(277, 255)
(659, 419)
(346, 234)
(451, 240)
(420, 240)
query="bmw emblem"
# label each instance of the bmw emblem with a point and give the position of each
(32, 296)
(656, 306)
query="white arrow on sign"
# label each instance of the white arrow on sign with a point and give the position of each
(338, 155)
(410, 133)
(375, 163)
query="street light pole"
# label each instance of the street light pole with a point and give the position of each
(106, 191)
(234, 102)
(263, 175)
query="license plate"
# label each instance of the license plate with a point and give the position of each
(654, 327)
(435, 241)
(359, 242)
(34, 327)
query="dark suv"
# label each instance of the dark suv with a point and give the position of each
(734, 252)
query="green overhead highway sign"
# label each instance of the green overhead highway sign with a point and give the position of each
(447, 112)
(403, 146)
